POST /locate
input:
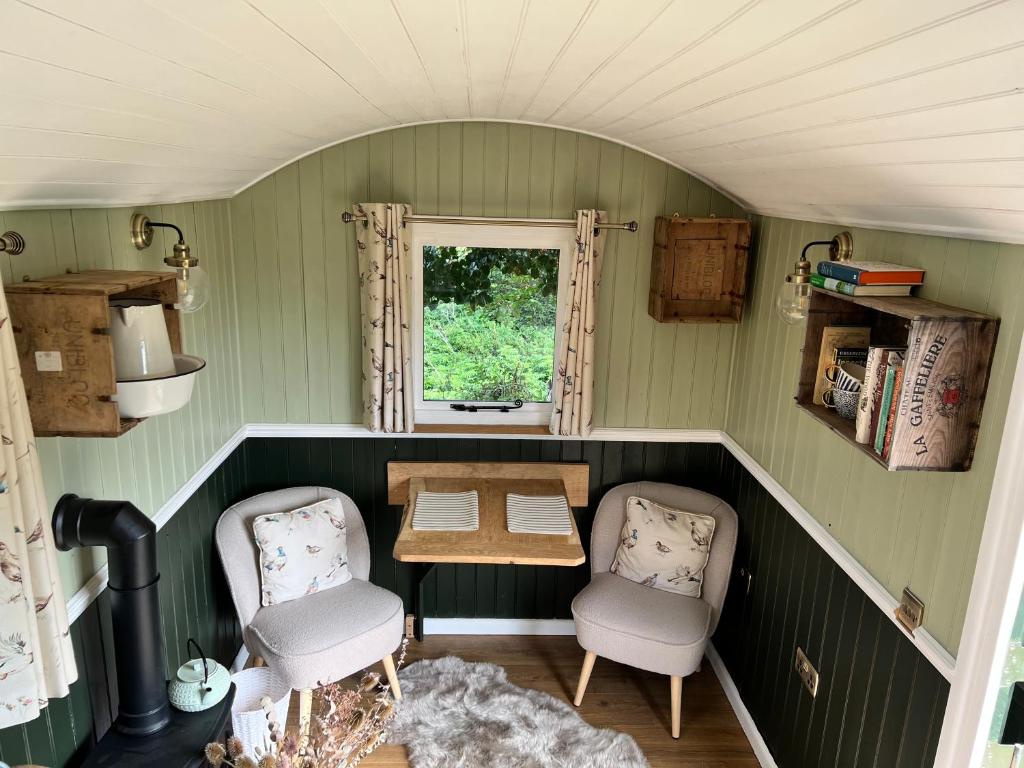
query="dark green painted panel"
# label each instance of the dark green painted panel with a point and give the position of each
(194, 603)
(357, 466)
(880, 703)
(799, 596)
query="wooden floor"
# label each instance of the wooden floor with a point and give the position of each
(618, 697)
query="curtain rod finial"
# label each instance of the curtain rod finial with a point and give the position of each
(12, 243)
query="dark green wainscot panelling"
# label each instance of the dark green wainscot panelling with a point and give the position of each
(358, 467)
(880, 703)
(193, 603)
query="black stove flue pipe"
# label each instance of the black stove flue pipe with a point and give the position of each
(130, 539)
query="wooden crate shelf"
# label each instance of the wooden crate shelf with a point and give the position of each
(949, 357)
(698, 270)
(70, 315)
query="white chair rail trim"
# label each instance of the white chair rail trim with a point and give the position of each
(928, 645)
(79, 601)
(564, 627)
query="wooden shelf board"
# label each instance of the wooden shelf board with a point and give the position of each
(908, 307)
(123, 426)
(707, 320)
(842, 427)
(94, 282)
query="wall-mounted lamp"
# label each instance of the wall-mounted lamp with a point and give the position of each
(12, 243)
(794, 297)
(193, 282)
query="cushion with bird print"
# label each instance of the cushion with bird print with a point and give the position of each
(302, 551)
(664, 548)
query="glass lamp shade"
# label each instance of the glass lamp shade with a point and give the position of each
(793, 301)
(193, 288)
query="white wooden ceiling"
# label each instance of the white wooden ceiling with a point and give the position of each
(905, 115)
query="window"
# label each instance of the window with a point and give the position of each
(486, 310)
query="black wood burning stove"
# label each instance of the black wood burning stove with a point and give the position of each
(147, 731)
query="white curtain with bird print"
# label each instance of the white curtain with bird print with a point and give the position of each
(385, 290)
(37, 662)
(573, 391)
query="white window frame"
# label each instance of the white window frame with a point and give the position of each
(490, 236)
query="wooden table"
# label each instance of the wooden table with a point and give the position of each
(492, 543)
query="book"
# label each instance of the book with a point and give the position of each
(876, 397)
(867, 392)
(890, 424)
(871, 272)
(856, 355)
(893, 360)
(835, 337)
(850, 289)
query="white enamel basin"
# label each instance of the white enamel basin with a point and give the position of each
(137, 399)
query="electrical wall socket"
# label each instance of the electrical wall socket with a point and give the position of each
(808, 674)
(910, 612)
(410, 626)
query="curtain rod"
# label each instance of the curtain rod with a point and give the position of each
(348, 217)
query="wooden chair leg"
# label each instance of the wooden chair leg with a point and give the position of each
(305, 712)
(257, 661)
(389, 669)
(677, 704)
(588, 667)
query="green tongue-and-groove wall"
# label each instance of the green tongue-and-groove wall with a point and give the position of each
(281, 336)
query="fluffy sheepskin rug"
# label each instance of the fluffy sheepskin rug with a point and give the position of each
(457, 714)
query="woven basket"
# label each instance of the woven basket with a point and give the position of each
(248, 720)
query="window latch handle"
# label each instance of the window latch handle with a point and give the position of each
(503, 408)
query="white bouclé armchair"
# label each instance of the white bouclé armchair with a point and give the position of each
(322, 637)
(643, 627)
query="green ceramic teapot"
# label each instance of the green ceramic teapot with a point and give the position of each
(199, 683)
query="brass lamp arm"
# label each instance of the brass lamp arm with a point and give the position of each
(142, 237)
(181, 235)
(803, 253)
(840, 248)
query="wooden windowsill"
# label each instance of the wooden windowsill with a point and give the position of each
(482, 429)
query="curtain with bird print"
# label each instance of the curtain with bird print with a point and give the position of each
(573, 390)
(37, 662)
(385, 290)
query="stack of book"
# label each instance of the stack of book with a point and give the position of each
(880, 397)
(867, 278)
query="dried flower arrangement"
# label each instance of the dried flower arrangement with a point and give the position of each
(347, 724)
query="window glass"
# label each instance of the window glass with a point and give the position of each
(489, 319)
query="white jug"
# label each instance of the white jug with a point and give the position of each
(142, 348)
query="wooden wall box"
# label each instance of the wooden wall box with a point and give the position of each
(698, 270)
(948, 360)
(70, 394)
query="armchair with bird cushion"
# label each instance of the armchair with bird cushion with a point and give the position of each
(327, 634)
(627, 616)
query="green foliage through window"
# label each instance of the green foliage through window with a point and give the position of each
(488, 323)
